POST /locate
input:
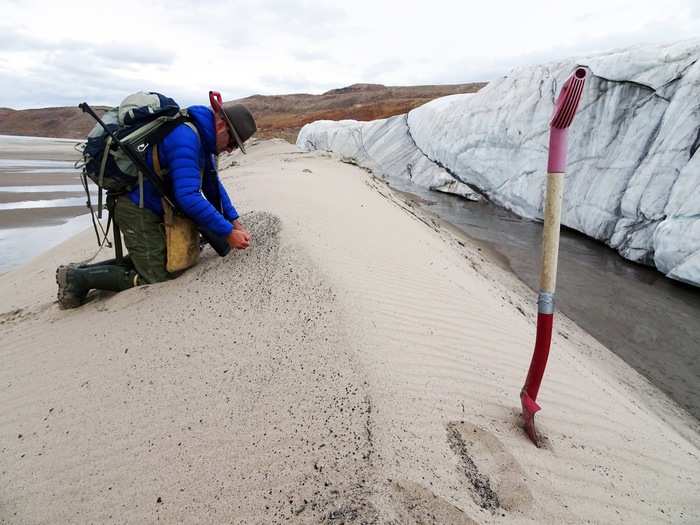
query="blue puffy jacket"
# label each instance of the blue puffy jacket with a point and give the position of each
(183, 153)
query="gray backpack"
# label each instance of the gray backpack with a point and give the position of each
(142, 119)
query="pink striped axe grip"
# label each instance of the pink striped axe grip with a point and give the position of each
(564, 112)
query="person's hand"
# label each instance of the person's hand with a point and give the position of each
(239, 239)
(238, 225)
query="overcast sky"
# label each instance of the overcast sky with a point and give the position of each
(61, 53)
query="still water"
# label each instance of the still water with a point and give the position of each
(42, 201)
(19, 245)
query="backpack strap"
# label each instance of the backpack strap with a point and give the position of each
(155, 137)
(156, 161)
(100, 177)
(191, 125)
(156, 158)
(157, 168)
(164, 129)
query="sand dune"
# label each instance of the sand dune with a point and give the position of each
(360, 364)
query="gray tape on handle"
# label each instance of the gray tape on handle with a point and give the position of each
(545, 303)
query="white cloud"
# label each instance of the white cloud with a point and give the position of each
(55, 53)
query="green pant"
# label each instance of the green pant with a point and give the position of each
(144, 236)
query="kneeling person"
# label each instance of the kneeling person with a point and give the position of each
(188, 156)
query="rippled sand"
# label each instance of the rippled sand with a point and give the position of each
(359, 364)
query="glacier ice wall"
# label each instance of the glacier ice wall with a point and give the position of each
(633, 177)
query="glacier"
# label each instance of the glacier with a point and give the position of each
(633, 176)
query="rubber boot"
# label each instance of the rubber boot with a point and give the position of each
(74, 283)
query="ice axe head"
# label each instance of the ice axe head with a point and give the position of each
(530, 408)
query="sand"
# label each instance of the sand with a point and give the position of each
(19, 147)
(361, 363)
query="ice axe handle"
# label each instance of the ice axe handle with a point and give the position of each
(87, 109)
(564, 111)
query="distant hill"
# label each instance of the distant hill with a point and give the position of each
(64, 122)
(284, 115)
(276, 115)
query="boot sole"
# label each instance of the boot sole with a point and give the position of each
(65, 300)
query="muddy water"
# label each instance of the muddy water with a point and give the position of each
(651, 322)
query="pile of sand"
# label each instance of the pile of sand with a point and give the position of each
(360, 363)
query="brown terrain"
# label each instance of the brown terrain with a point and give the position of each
(284, 115)
(277, 115)
(65, 122)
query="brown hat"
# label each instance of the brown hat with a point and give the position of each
(239, 120)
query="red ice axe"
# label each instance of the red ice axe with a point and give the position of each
(564, 112)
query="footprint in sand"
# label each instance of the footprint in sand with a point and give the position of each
(415, 504)
(12, 316)
(496, 478)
